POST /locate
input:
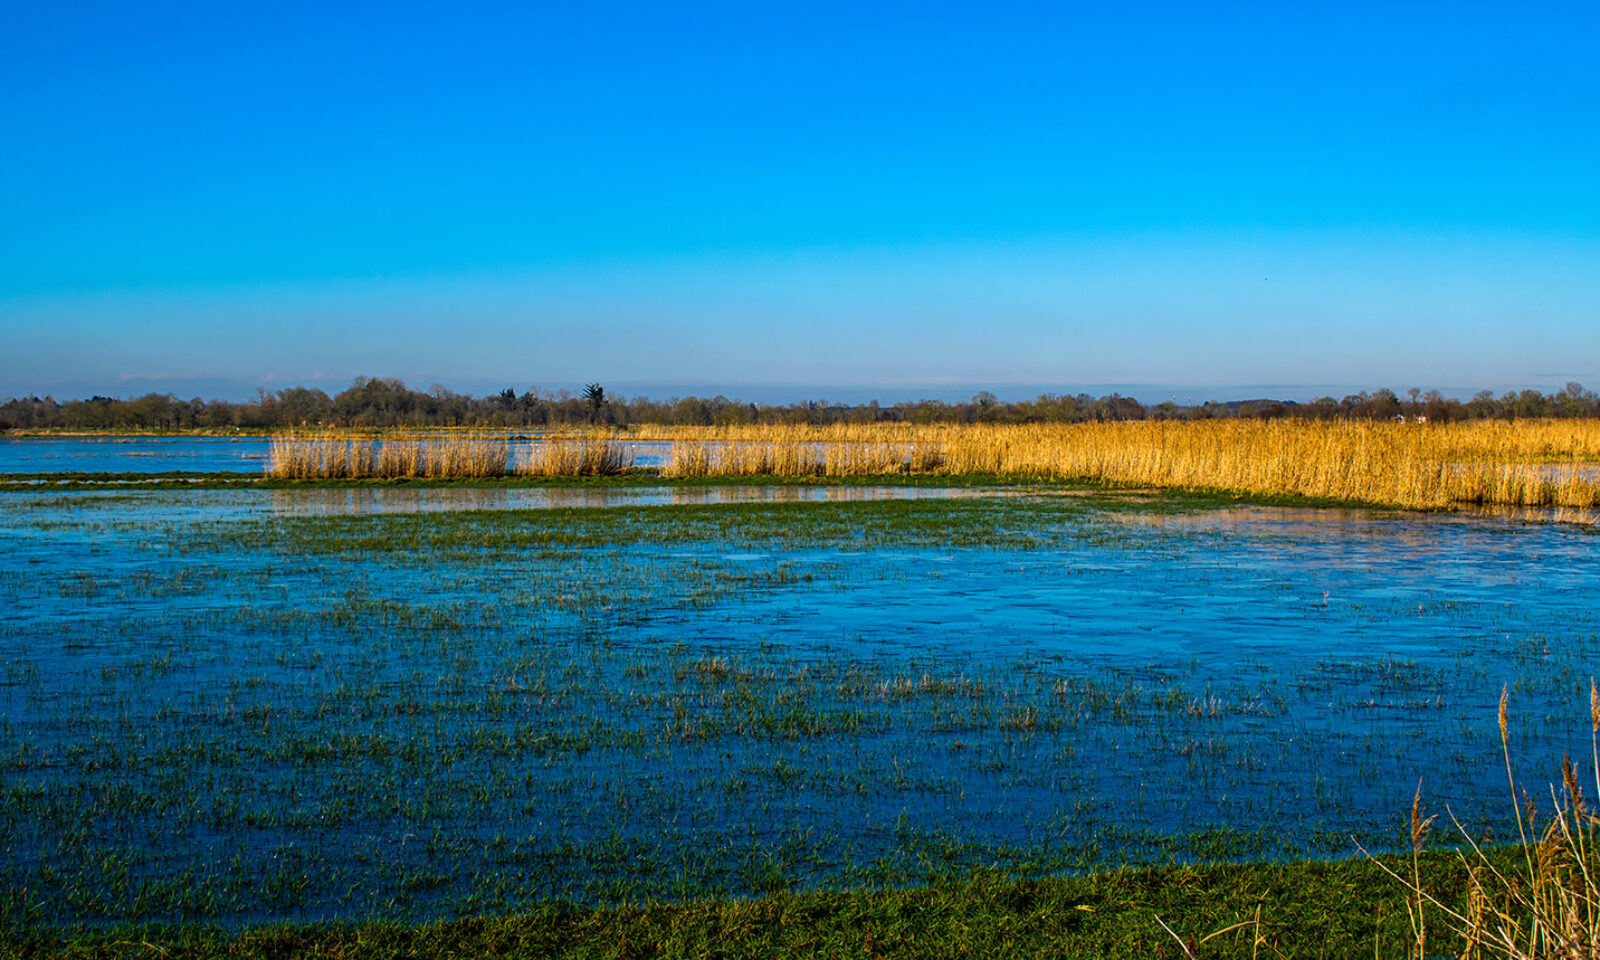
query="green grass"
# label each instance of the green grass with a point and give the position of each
(1341, 908)
(638, 477)
(168, 479)
(1001, 522)
(1178, 497)
(995, 522)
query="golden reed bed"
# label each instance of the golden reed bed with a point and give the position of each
(327, 458)
(1528, 463)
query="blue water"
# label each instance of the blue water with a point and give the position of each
(132, 455)
(189, 454)
(204, 715)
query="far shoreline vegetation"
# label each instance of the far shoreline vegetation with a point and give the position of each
(380, 403)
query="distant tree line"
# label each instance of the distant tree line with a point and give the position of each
(375, 402)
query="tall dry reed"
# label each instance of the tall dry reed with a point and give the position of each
(324, 458)
(579, 456)
(844, 450)
(291, 458)
(1406, 465)
(1537, 464)
(1409, 465)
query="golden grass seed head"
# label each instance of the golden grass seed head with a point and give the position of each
(1594, 706)
(1504, 695)
(1419, 824)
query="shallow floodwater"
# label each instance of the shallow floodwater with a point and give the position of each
(239, 706)
(132, 454)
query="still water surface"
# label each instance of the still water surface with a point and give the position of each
(189, 454)
(250, 705)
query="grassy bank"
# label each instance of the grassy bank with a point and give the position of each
(1343, 908)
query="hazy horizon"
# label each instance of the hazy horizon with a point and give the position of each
(780, 394)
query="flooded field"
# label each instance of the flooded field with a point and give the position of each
(24, 455)
(240, 706)
(195, 454)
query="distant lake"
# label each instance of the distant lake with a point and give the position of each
(132, 454)
(191, 454)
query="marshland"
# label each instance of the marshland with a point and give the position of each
(1548, 463)
(840, 481)
(1020, 672)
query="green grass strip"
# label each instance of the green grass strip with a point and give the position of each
(1342, 908)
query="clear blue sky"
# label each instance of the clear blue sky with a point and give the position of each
(767, 197)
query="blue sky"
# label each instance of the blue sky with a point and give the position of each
(767, 199)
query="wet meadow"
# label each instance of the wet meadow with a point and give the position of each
(240, 707)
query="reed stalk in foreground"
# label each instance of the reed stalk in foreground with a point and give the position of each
(1550, 907)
